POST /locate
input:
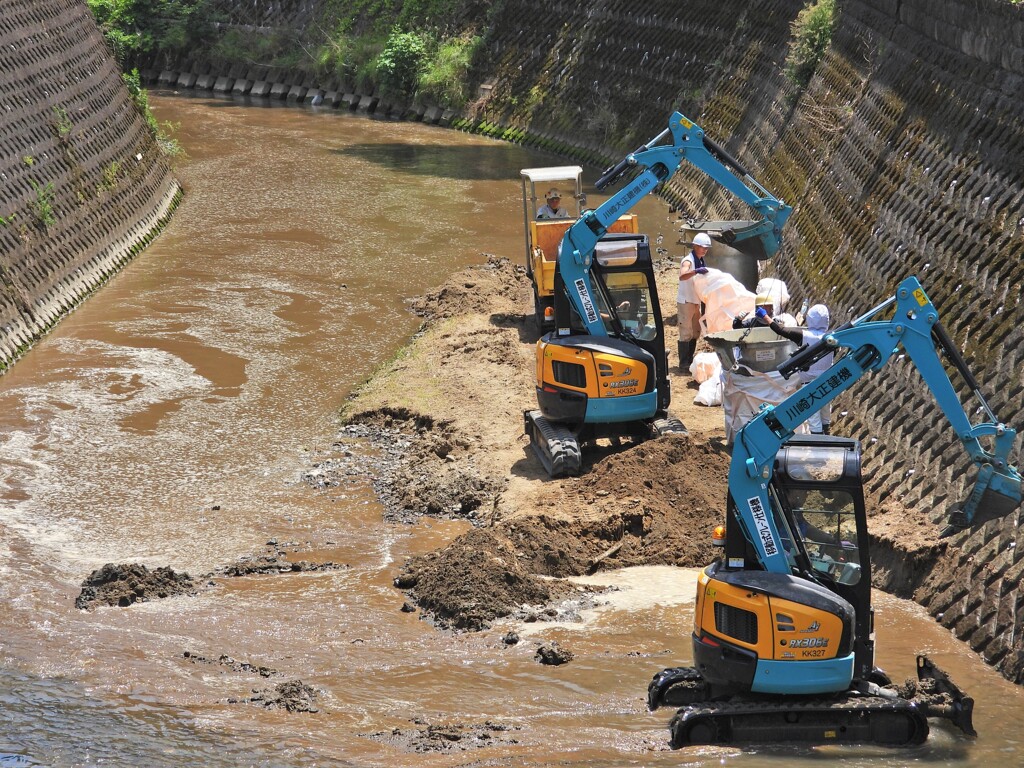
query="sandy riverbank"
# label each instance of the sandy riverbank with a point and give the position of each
(446, 418)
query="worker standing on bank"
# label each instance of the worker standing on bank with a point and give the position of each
(687, 301)
(817, 328)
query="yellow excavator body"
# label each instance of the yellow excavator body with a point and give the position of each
(768, 625)
(595, 374)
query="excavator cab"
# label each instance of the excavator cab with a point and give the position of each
(819, 489)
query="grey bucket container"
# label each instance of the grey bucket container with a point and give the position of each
(758, 349)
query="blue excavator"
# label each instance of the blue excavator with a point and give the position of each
(603, 370)
(783, 640)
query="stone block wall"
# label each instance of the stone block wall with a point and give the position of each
(296, 15)
(82, 183)
(605, 77)
(924, 176)
(923, 173)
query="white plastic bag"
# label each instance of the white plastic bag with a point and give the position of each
(743, 395)
(710, 392)
(724, 298)
(705, 365)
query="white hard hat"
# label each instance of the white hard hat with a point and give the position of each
(702, 240)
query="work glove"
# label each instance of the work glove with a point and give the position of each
(701, 270)
(761, 314)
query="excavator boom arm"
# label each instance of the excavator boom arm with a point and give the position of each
(659, 162)
(871, 343)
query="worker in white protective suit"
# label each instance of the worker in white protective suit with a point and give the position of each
(817, 329)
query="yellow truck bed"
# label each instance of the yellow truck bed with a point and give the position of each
(545, 237)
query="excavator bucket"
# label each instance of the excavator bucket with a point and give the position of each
(941, 697)
(996, 494)
(997, 491)
(745, 236)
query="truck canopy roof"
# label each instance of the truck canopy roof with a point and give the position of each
(556, 173)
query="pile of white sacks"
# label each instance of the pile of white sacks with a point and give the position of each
(741, 391)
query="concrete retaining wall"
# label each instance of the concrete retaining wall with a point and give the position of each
(82, 184)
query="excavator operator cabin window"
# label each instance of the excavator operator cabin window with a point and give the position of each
(630, 295)
(786, 535)
(827, 526)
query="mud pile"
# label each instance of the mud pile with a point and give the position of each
(475, 579)
(652, 504)
(123, 585)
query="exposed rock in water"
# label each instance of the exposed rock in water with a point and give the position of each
(292, 695)
(448, 737)
(235, 666)
(248, 566)
(122, 585)
(553, 654)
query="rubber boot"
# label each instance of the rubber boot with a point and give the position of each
(686, 350)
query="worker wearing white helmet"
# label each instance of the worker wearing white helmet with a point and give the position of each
(816, 330)
(687, 300)
(552, 208)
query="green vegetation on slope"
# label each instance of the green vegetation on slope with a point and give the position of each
(812, 32)
(161, 131)
(135, 28)
(404, 65)
(403, 49)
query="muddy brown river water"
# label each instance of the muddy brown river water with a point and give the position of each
(169, 421)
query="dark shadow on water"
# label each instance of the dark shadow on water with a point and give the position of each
(932, 752)
(472, 162)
